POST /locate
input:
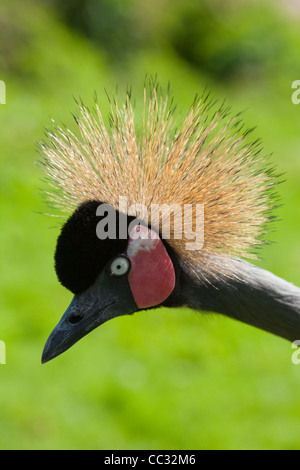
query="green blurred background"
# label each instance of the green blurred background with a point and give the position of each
(163, 379)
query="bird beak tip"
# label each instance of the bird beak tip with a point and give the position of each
(47, 357)
(44, 359)
(50, 350)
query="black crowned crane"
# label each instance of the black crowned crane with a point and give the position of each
(114, 253)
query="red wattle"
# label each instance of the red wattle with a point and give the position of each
(152, 275)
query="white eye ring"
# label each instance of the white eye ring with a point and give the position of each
(120, 266)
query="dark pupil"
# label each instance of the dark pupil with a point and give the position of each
(119, 266)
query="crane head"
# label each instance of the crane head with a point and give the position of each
(108, 277)
(209, 160)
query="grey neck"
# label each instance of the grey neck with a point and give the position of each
(256, 297)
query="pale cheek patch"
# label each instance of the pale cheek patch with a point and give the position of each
(152, 275)
(141, 238)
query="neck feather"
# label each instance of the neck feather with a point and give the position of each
(255, 296)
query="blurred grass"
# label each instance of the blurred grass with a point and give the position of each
(162, 379)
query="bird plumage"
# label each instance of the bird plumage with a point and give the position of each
(207, 160)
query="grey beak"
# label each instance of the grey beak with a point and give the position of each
(82, 316)
(107, 298)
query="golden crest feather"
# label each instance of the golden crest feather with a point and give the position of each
(208, 160)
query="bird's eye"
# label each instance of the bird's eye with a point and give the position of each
(120, 266)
